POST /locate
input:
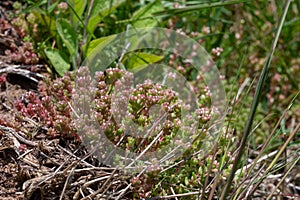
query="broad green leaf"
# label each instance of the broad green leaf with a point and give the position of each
(144, 18)
(67, 34)
(59, 64)
(139, 60)
(93, 22)
(97, 6)
(97, 45)
(100, 9)
(78, 6)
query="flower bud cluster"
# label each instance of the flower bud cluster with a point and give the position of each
(69, 106)
(21, 54)
(51, 108)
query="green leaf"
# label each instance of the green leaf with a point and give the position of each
(98, 44)
(93, 22)
(139, 60)
(78, 7)
(59, 64)
(67, 34)
(144, 18)
(100, 9)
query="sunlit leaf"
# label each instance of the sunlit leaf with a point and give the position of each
(98, 44)
(139, 60)
(78, 6)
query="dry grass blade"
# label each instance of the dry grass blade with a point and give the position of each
(276, 158)
(66, 183)
(8, 130)
(259, 158)
(283, 179)
(175, 196)
(254, 105)
(103, 189)
(209, 171)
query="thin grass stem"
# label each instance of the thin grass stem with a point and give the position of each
(254, 105)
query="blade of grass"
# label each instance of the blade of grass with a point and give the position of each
(254, 105)
(284, 146)
(84, 24)
(252, 180)
(275, 159)
(175, 11)
(283, 178)
(272, 133)
(236, 100)
(35, 5)
(208, 173)
(259, 157)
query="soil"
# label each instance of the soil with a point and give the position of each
(32, 165)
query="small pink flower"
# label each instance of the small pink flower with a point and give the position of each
(62, 6)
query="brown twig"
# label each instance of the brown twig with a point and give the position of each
(9, 130)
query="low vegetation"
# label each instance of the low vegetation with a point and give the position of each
(255, 46)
